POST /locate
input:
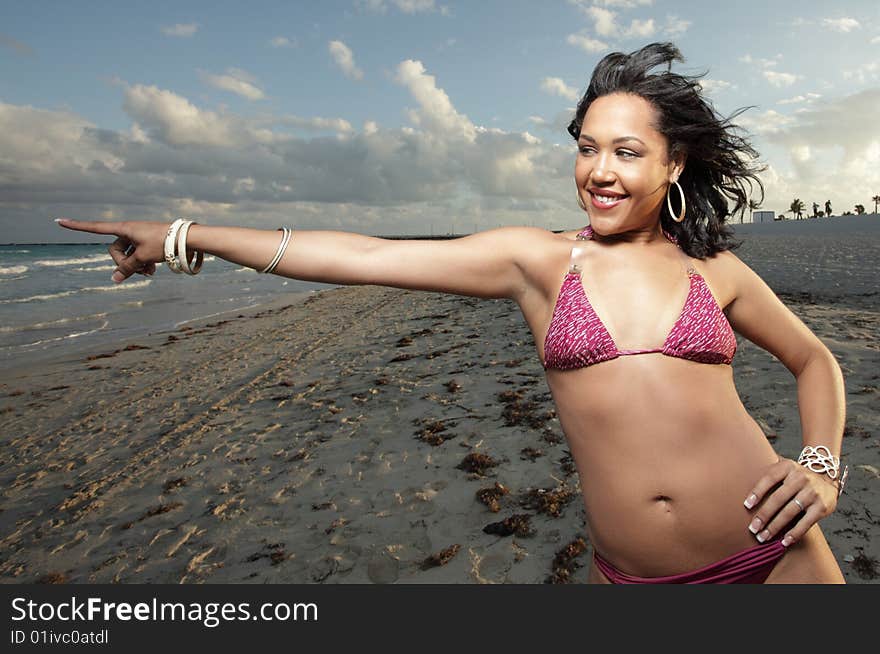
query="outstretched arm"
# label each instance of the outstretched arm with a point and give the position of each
(489, 264)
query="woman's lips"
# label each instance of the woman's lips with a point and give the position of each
(605, 205)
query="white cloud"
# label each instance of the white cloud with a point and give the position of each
(817, 140)
(762, 63)
(556, 86)
(640, 28)
(313, 124)
(437, 113)
(585, 43)
(675, 26)
(174, 120)
(865, 73)
(414, 6)
(283, 42)
(876, 39)
(715, 86)
(405, 6)
(809, 97)
(344, 58)
(841, 24)
(780, 79)
(180, 29)
(622, 4)
(235, 81)
(769, 122)
(603, 21)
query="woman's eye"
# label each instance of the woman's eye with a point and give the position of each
(626, 154)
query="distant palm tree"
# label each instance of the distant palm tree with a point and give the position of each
(876, 200)
(827, 207)
(860, 209)
(815, 210)
(752, 207)
(797, 208)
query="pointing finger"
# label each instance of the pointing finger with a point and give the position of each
(94, 226)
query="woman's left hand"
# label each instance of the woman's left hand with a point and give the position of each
(815, 493)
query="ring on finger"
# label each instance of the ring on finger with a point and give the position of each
(798, 502)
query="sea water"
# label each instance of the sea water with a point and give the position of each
(58, 299)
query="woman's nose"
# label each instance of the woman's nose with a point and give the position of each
(601, 170)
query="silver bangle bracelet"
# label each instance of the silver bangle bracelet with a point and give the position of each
(820, 460)
(285, 239)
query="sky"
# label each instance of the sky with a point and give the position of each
(398, 116)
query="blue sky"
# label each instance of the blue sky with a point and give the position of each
(397, 116)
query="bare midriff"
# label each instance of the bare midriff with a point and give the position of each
(666, 454)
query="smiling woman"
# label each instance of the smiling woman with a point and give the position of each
(679, 483)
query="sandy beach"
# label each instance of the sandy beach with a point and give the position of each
(375, 435)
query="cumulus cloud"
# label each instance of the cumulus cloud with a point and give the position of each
(174, 120)
(780, 79)
(586, 43)
(283, 42)
(405, 6)
(841, 24)
(556, 86)
(180, 29)
(235, 81)
(817, 140)
(178, 157)
(675, 26)
(807, 97)
(868, 72)
(436, 114)
(344, 58)
(715, 86)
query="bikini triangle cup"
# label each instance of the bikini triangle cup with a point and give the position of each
(577, 337)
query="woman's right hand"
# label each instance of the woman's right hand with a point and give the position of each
(138, 247)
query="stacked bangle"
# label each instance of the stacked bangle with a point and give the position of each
(285, 239)
(185, 261)
(175, 248)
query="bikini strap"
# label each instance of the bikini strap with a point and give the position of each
(583, 235)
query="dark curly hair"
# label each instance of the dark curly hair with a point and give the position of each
(715, 165)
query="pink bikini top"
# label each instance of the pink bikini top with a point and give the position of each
(577, 338)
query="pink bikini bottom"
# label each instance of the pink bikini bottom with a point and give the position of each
(749, 566)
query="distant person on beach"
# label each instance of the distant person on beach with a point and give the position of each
(634, 319)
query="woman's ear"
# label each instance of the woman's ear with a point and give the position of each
(678, 160)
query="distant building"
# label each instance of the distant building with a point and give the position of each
(763, 216)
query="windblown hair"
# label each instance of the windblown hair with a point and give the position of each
(719, 162)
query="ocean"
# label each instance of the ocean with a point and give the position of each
(58, 299)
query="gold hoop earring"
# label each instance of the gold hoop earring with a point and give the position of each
(681, 214)
(580, 200)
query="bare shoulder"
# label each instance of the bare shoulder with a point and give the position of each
(731, 271)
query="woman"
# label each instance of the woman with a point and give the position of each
(679, 482)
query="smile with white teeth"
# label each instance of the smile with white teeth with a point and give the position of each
(607, 199)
